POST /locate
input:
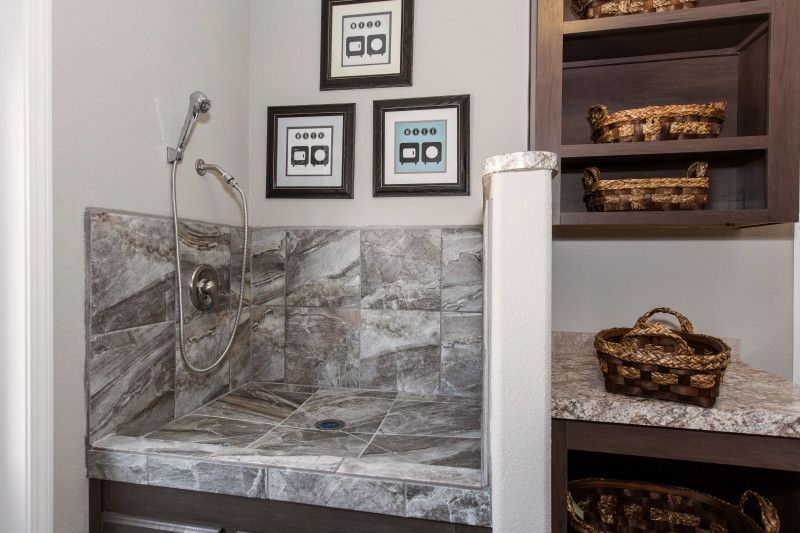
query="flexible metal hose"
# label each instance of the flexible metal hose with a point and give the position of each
(179, 284)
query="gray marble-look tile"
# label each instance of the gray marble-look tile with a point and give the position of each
(365, 393)
(401, 269)
(441, 398)
(322, 346)
(446, 504)
(236, 249)
(435, 451)
(268, 343)
(131, 377)
(360, 414)
(252, 403)
(208, 244)
(391, 468)
(131, 267)
(356, 494)
(203, 476)
(323, 268)
(205, 338)
(462, 269)
(240, 354)
(212, 430)
(124, 467)
(433, 419)
(121, 443)
(267, 285)
(462, 354)
(287, 441)
(400, 351)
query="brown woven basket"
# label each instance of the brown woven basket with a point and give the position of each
(657, 123)
(603, 506)
(587, 9)
(654, 361)
(650, 194)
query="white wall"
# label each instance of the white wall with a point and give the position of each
(123, 73)
(12, 267)
(460, 47)
(729, 283)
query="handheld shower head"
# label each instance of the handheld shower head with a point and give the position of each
(198, 104)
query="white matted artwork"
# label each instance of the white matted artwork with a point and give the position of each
(421, 146)
(366, 43)
(310, 151)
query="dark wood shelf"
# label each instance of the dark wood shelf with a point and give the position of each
(697, 147)
(745, 53)
(710, 14)
(731, 217)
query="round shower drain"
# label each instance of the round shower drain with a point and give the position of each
(329, 425)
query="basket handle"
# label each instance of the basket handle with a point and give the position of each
(686, 326)
(643, 327)
(697, 170)
(598, 113)
(591, 175)
(769, 516)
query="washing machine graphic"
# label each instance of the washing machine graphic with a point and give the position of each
(320, 155)
(299, 155)
(409, 153)
(354, 46)
(376, 44)
(431, 152)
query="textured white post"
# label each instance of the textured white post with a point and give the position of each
(518, 247)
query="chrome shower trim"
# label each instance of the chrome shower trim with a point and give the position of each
(198, 104)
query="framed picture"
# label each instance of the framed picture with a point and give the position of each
(366, 43)
(310, 151)
(421, 146)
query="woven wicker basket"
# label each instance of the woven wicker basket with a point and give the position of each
(587, 9)
(657, 123)
(603, 506)
(650, 194)
(655, 361)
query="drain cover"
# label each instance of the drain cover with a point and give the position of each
(329, 425)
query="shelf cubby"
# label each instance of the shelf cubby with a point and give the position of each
(744, 53)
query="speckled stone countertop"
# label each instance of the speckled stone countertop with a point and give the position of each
(751, 401)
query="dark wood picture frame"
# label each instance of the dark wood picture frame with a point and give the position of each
(388, 112)
(333, 39)
(280, 119)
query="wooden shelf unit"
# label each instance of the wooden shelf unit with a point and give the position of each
(744, 53)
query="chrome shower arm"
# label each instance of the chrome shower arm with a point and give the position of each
(201, 167)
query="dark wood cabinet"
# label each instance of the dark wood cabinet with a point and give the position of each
(721, 464)
(746, 53)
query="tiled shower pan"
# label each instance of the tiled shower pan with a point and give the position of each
(398, 453)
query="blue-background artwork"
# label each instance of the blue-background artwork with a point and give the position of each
(420, 147)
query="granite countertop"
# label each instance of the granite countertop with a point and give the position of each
(751, 401)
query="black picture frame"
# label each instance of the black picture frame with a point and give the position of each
(368, 57)
(323, 149)
(413, 154)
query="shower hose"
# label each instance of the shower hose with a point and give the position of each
(238, 189)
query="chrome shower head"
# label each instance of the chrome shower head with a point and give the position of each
(198, 104)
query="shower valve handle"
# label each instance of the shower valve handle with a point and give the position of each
(208, 292)
(204, 288)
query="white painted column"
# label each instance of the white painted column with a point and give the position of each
(517, 281)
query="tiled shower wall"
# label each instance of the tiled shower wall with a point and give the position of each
(388, 309)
